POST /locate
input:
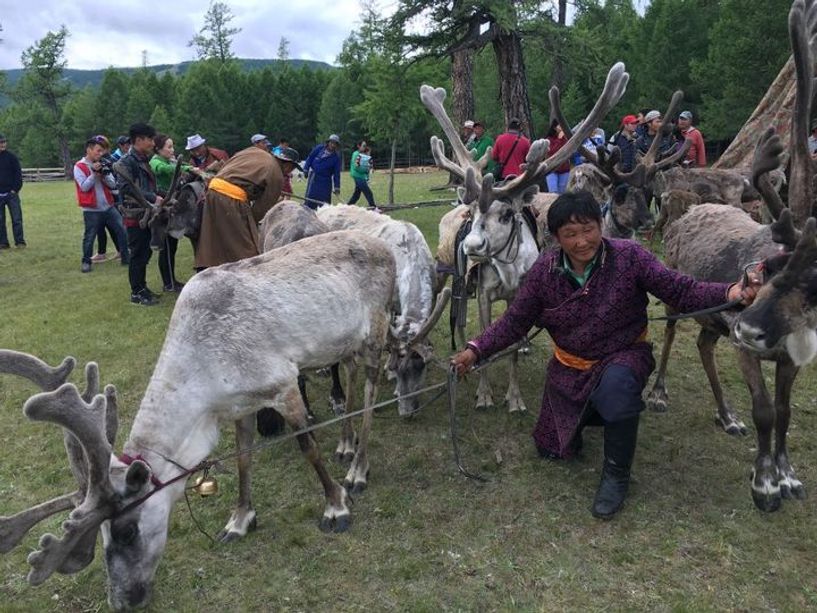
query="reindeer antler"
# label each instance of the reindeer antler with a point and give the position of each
(649, 158)
(65, 407)
(784, 232)
(614, 88)
(34, 369)
(428, 325)
(89, 429)
(805, 252)
(433, 100)
(802, 32)
(121, 171)
(767, 158)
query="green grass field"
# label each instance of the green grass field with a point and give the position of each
(424, 538)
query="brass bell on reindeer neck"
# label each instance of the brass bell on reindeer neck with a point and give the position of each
(205, 486)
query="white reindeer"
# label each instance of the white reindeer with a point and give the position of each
(413, 293)
(500, 244)
(238, 336)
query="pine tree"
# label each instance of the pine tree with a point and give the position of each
(215, 39)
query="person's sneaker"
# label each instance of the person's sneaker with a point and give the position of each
(86, 267)
(174, 287)
(144, 298)
(99, 257)
(4, 246)
(152, 293)
(20, 245)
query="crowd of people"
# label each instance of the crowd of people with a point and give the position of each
(634, 137)
(115, 190)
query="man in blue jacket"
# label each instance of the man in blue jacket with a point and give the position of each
(11, 182)
(323, 169)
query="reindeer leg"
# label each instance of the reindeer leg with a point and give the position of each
(345, 450)
(302, 390)
(337, 397)
(790, 485)
(726, 417)
(357, 477)
(485, 399)
(243, 518)
(516, 404)
(765, 486)
(658, 400)
(336, 516)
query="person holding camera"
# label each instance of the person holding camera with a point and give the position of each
(95, 182)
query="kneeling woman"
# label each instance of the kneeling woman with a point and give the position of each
(591, 296)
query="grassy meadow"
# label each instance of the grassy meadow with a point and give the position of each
(423, 537)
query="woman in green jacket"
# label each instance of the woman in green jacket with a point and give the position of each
(163, 164)
(359, 169)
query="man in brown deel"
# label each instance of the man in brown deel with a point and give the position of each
(237, 199)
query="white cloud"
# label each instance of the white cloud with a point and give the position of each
(106, 34)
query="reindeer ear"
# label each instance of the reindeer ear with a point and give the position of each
(461, 194)
(136, 478)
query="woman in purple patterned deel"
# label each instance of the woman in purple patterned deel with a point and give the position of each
(591, 296)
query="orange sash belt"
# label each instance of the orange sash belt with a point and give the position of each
(228, 189)
(574, 361)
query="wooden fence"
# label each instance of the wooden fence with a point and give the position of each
(43, 174)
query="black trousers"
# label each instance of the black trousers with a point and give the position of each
(139, 246)
(167, 261)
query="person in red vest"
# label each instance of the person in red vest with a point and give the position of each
(510, 150)
(94, 183)
(696, 156)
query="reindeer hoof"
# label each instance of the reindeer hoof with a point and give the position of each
(733, 427)
(791, 487)
(337, 524)
(485, 405)
(768, 503)
(355, 488)
(657, 402)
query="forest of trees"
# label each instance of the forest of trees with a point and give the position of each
(722, 53)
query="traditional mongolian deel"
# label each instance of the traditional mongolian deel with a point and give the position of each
(237, 200)
(323, 168)
(603, 322)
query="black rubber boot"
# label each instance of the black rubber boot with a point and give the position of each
(619, 449)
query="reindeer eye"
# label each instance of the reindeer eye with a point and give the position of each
(124, 535)
(506, 216)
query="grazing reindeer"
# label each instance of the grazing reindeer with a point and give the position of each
(410, 350)
(500, 243)
(237, 338)
(715, 242)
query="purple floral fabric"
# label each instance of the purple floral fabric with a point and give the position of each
(601, 321)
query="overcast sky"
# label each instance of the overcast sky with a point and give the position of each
(114, 32)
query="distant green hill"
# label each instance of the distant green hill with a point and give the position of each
(81, 78)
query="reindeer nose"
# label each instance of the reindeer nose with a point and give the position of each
(749, 335)
(473, 245)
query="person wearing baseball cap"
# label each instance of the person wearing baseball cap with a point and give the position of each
(260, 141)
(696, 155)
(468, 136)
(322, 168)
(654, 120)
(625, 139)
(122, 147)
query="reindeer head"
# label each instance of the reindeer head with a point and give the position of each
(410, 352)
(133, 540)
(784, 314)
(178, 216)
(496, 209)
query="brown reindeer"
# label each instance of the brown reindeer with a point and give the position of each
(715, 243)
